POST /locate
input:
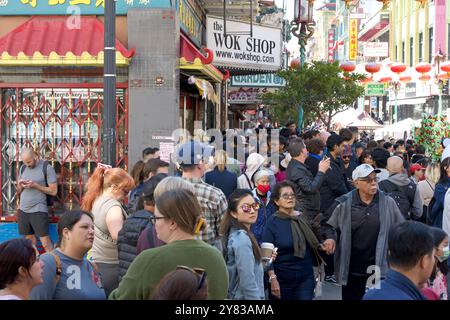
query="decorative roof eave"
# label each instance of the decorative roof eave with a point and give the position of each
(53, 59)
(208, 70)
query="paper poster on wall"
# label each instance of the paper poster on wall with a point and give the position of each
(165, 151)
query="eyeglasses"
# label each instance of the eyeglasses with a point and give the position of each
(288, 196)
(346, 157)
(153, 219)
(197, 271)
(246, 207)
(369, 180)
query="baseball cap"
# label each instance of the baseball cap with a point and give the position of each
(363, 171)
(415, 167)
(192, 153)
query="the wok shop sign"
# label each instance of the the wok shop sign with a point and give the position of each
(238, 49)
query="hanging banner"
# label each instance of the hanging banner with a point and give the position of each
(331, 39)
(353, 38)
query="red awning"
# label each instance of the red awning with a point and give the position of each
(374, 30)
(193, 60)
(51, 36)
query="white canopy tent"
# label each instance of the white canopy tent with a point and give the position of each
(397, 130)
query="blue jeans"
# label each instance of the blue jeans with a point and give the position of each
(296, 285)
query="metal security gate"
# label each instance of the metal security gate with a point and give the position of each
(64, 125)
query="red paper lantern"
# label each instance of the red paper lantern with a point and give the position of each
(423, 67)
(425, 77)
(385, 79)
(443, 76)
(373, 67)
(398, 68)
(446, 67)
(405, 78)
(295, 63)
(347, 66)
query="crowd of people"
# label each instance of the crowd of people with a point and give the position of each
(370, 216)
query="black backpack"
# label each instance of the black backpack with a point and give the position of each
(403, 195)
(50, 199)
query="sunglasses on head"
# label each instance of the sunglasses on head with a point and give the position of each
(247, 208)
(197, 271)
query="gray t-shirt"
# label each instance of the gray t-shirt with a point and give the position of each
(33, 200)
(79, 280)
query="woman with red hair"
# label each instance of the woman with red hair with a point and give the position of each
(106, 190)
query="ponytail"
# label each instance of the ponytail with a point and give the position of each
(102, 178)
(94, 188)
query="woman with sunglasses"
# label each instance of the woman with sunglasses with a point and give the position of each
(106, 190)
(178, 221)
(292, 276)
(20, 269)
(241, 249)
(182, 284)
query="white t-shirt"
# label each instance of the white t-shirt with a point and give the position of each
(10, 297)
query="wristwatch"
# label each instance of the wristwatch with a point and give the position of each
(272, 277)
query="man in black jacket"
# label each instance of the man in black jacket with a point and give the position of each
(335, 183)
(306, 185)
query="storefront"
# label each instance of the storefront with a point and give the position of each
(51, 86)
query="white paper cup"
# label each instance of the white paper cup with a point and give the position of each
(267, 250)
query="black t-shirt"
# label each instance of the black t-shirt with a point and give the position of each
(365, 230)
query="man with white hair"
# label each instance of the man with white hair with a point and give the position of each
(37, 181)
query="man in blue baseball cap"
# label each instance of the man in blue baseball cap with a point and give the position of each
(192, 157)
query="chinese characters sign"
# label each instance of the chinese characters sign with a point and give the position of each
(331, 37)
(63, 7)
(189, 22)
(353, 38)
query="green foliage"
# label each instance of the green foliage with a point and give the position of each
(322, 88)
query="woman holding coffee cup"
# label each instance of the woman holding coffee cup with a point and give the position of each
(292, 275)
(241, 250)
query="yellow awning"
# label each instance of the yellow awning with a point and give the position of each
(53, 59)
(198, 69)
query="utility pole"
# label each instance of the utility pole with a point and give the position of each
(109, 85)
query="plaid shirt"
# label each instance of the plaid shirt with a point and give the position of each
(214, 205)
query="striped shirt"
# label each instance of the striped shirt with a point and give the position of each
(214, 205)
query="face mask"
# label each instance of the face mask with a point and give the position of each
(263, 189)
(445, 255)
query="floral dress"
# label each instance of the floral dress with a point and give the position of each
(439, 285)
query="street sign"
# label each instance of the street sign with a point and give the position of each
(375, 89)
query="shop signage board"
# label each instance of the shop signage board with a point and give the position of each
(237, 49)
(410, 89)
(74, 7)
(353, 51)
(268, 80)
(331, 40)
(376, 49)
(375, 89)
(241, 95)
(190, 23)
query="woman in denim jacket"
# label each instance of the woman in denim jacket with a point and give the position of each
(241, 249)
